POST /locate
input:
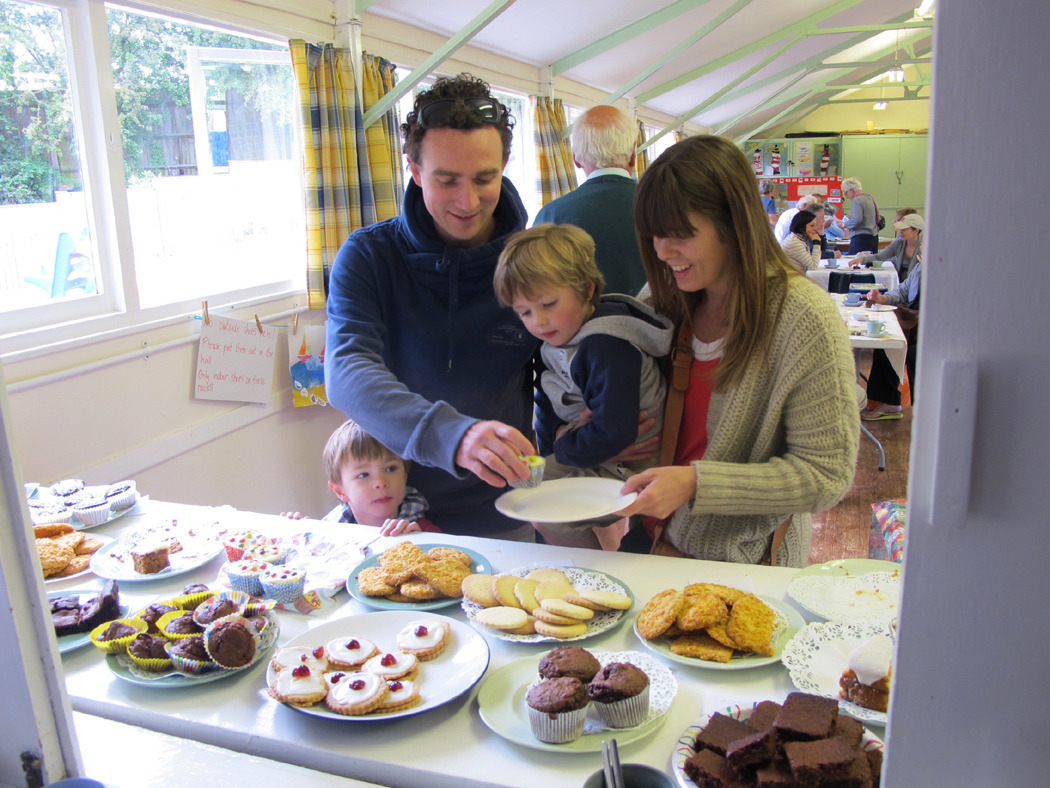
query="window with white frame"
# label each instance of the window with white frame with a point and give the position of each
(146, 163)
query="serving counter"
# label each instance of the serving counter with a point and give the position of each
(446, 746)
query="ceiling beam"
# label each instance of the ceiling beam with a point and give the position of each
(774, 38)
(914, 24)
(624, 34)
(911, 61)
(676, 51)
(445, 51)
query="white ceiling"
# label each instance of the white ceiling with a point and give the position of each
(734, 66)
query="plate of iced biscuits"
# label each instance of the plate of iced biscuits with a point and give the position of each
(536, 604)
(377, 666)
(803, 740)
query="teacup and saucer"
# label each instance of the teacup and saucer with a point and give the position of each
(875, 328)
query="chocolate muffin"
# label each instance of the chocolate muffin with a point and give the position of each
(183, 625)
(195, 588)
(116, 631)
(621, 694)
(230, 644)
(190, 648)
(571, 661)
(147, 646)
(214, 609)
(152, 613)
(557, 709)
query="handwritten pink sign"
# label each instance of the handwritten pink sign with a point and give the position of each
(235, 362)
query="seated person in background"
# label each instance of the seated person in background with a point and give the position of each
(833, 228)
(370, 482)
(905, 248)
(765, 190)
(805, 203)
(802, 244)
(883, 390)
(598, 361)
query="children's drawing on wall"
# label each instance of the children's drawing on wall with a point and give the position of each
(805, 159)
(774, 159)
(306, 364)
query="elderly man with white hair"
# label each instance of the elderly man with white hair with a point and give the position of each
(782, 230)
(604, 139)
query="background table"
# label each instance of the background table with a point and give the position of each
(893, 342)
(887, 275)
(449, 746)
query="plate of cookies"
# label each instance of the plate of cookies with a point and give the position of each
(536, 604)
(717, 627)
(411, 576)
(64, 552)
(377, 666)
(804, 740)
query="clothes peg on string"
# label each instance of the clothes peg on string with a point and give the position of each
(258, 324)
(204, 308)
(295, 323)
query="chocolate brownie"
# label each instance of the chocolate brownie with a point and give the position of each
(616, 681)
(569, 661)
(875, 763)
(66, 622)
(147, 646)
(763, 714)
(753, 750)
(776, 774)
(710, 770)
(190, 648)
(65, 603)
(819, 762)
(850, 729)
(859, 775)
(557, 695)
(231, 644)
(183, 625)
(805, 717)
(720, 732)
(104, 607)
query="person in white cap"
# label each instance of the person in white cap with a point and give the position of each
(904, 249)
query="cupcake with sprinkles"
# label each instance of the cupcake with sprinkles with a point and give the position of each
(246, 576)
(269, 552)
(282, 584)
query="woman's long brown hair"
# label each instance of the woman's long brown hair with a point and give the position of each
(710, 176)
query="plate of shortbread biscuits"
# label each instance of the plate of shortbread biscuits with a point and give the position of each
(536, 604)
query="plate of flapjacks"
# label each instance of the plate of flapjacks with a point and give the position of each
(411, 576)
(716, 627)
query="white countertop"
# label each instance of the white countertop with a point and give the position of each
(447, 746)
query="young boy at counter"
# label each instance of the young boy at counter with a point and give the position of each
(599, 360)
(370, 482)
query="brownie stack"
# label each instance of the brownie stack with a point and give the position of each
(803, 742)
(70, 617)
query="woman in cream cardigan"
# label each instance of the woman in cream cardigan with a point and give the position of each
(769, 430)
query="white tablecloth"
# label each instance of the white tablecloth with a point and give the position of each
(886, 276)
(893, 341)
(447, 747)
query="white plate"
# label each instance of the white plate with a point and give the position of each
(123, 668)
(882, 307)
(685, 748)
(501, 703)
(847, 567)
(787, 621)
(565, 500)
(442, 679)
(870, 596)
(114, 560)
(580, 578)
(70, 642)
(54, 581)
(819, 654)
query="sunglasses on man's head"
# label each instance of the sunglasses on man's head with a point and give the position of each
(438, 112)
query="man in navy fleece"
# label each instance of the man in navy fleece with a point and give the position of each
(419, 351)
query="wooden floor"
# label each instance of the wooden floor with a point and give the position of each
(842, 532)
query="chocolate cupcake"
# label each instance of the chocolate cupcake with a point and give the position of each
(215, 608)
(189, 655)
(113, 637)
(153, 613)
(569, 661)
(178, 624)
(557, 709)
(148, 653)
(620, 692)
(231, 644)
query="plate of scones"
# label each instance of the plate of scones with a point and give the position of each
(411, 576)
(377, 666)
(717, 627)
(537, 604)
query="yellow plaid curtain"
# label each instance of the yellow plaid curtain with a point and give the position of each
(641, 161)
(353, 177)
(556, 172)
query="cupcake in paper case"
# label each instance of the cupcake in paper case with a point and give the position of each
(193, 599)
(113, 637)
(219, 606)
(92, 511)
(557, 709)
(536, 465)
(269, 553)
(245, 576)
(190, 656)
(66, 487)
(121, 495)
(283, 584)
(620, 692)
(238, 544)
(50, 514)
(178, 625)
(232, 642)
(148, 653)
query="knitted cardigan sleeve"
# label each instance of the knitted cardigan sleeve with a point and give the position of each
(783, 440)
